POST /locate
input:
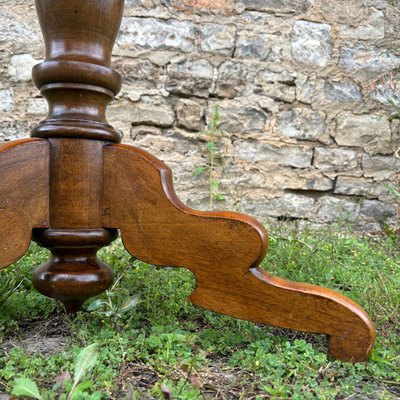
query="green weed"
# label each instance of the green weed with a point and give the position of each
(211, 136)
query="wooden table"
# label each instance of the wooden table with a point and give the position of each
(74, 186)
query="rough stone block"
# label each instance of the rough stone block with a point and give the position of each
(277, 6)
(380, 167)
(377, 210)
(6, 100)
(134, 70)
(236, 117)
(269, 105)
(300, 180)
(37, 106)
(303, 124)
(277, 91)
(143, 130)
(157, 34)
(152, 114)
(278, 85)
(148, 111)
(289, 206)
(225, 7)
(358, 186)
(166, 148)
(138, 4)
(231, 79)
(373, 28)
(354, 186)
(367, 131)
(190, 114)
(275, 74)
(311, 43)
(305, 89)
(237, 176)
(252, 45)
(313, 180)
(11, 130)
(134, 91)
(343, 91)
(388, 90)
(217, 39)
(327, 92)
(367, 57)
(292, 156)
(17, 35)
(333, 209)
(190, 77)
(20, 68)
(335, 160)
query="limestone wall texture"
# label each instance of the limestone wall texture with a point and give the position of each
(304, 88)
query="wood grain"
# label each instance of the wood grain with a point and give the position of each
(75, 232)
(76, 78)
(24, 199)
(75, 183)
(223, 250)
(78, 83)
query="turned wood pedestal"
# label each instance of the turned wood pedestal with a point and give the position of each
(72, 187)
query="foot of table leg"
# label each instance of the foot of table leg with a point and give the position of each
(223, 251)
(74, 273)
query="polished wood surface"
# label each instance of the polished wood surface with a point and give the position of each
(75, 183)
(76, 78)
(76, 186)
(74, 273)
(75, 231)
(223, 250)
(24, 199)
(78, 83)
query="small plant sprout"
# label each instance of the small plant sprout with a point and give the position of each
(211, 136)
(27, 388)
(84, 362)
(117, 302)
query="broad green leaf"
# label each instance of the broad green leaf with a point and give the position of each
(83, 386)
(94, 305)
(26, 387)
(85, 361)
(130, 303)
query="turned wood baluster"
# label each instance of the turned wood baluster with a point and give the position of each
(77, 82)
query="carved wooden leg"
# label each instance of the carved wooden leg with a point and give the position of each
(24, 199)
(223, 251)
(75, 233)
(78, 83)
(74, 273)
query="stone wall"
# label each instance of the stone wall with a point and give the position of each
(303, 89)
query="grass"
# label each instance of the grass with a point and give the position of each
(155, 344)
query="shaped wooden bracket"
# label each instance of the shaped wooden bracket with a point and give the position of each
(223, 251)
(24, 195)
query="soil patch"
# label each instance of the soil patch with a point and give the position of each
(44, 336)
